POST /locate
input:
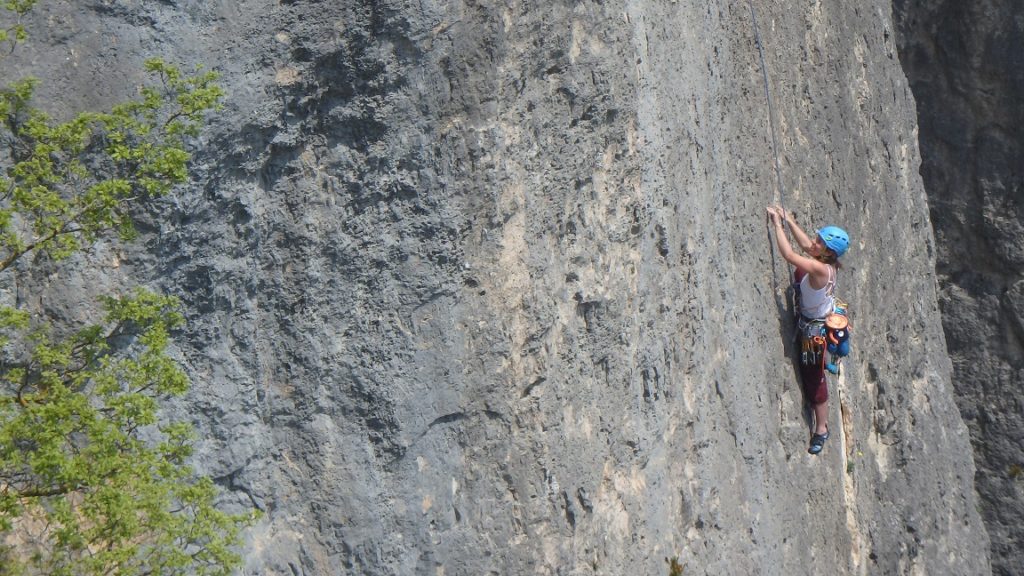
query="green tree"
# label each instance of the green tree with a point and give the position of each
(92, 481)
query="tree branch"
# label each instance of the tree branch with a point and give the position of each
(46, 492)
(63, 230)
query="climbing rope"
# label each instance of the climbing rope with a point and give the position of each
(775, 145)
(771, 107)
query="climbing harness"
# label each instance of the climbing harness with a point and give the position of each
(831, 335)
(812, 342)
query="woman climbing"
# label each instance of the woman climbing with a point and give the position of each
(815, 278)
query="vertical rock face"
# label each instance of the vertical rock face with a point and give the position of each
(964, 64)
(485, 288)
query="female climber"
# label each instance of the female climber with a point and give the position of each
(815, 276)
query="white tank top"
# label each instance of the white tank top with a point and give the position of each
(816, 304)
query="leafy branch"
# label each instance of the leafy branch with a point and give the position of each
(74, 181)
(15, 33)
(74, 457)
(92, 480)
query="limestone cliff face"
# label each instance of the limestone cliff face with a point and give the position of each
(486, 288)
(964, 64)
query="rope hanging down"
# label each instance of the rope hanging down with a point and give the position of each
(775, 145)
(771, 108)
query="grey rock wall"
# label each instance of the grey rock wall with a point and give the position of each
(486, 288)
(964, 62)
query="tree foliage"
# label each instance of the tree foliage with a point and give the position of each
(72, 181)
(92, 481)
(14, 33)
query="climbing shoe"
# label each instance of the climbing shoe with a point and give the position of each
(817, 443)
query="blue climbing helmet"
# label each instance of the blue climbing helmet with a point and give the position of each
(835, 238)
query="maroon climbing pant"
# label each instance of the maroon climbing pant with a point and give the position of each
(815, 387)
